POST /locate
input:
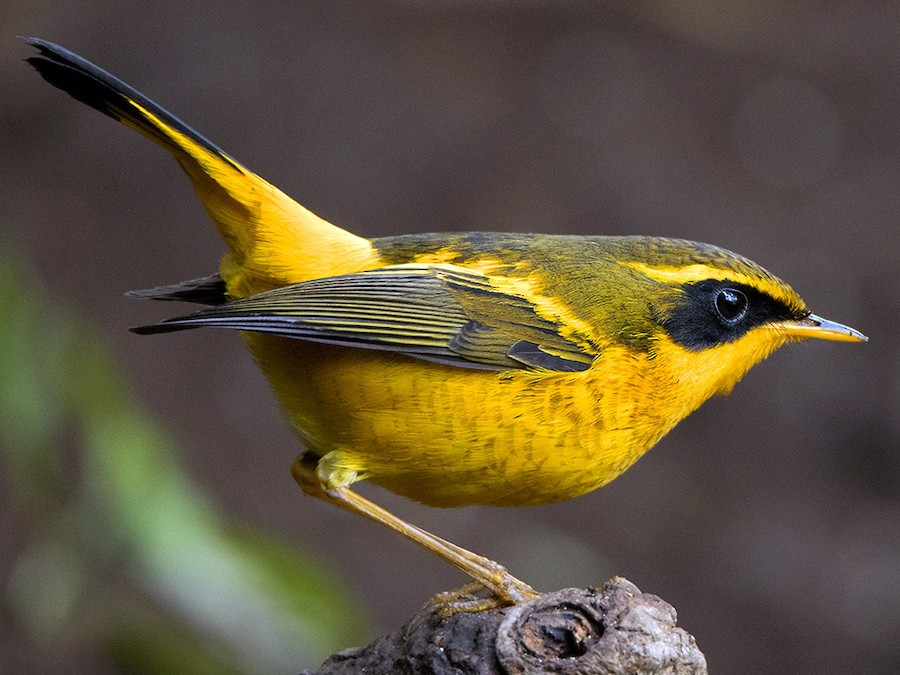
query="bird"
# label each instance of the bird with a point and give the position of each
(458, 368)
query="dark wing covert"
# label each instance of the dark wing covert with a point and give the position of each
(444, 314)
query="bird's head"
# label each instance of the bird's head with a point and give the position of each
(707, 315)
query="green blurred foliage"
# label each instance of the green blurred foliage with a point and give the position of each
(121, 553)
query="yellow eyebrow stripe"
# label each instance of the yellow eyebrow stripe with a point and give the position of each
(690, 273)
(686, 274)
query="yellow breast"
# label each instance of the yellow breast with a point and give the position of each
(449, 436)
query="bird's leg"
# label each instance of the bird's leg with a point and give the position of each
(506, 589)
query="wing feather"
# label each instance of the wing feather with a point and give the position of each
(438, 313)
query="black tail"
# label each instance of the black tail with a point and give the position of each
(273, 239)
(203, 291)
(95, 87)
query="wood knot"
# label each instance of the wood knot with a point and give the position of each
(559, 631)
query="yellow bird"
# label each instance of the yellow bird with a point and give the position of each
(465, 368)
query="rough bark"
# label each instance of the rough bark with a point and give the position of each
(612, 630)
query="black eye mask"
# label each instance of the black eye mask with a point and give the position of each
(712, 312)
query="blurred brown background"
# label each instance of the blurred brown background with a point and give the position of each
(771, 519)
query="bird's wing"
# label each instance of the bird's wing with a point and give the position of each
(439, 313)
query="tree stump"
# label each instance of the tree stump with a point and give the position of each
(612, 630)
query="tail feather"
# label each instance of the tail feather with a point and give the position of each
(90, 84)
(203, 291)
(273, 240)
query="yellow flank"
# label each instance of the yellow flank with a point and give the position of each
(460, 368)
(439, 434)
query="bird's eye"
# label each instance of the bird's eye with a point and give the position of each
(731, 305)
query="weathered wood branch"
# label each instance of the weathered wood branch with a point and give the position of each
(612, 630)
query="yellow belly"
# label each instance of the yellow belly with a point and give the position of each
(449, 436)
